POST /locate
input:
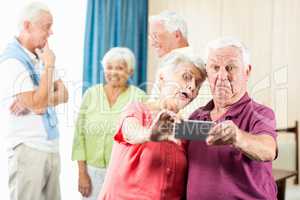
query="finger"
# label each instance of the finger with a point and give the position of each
(13, 108)
(38, 52)
(228, 134)
(224, 137)
(89, 191)
(46, 47)
(84, 191)
(25, 112)
(216, 134)
(80, 190)
(215, 130)
(13, 105)
(164, 116)
(16, 110)
(209, 140)
(171, 115)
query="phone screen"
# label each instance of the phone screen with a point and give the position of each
(193, 129)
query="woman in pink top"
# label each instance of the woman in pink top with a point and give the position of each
(141, 168)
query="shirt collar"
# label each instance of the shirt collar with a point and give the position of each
(31, 55)
(233, 111)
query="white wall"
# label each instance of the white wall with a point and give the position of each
(67, 42)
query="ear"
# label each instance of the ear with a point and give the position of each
(248, 70)
(130, 72)
(178, 35)
(26, 25)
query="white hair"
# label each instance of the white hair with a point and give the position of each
(119, 53)
(227, 42)
(172, 22)
(32, 12)
(170, 63)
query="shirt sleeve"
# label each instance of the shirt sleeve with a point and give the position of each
(141, 96)
(263, 122)
(79, 145)
(17, 78)
(136, 110)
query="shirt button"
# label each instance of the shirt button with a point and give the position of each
(228, 118)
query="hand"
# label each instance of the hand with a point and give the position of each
(18, 109)
(47, 56)
(84, 184)
(170, 104)
(162, 127)
(224, 133)
(40, 111)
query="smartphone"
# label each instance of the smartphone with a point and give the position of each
(193, 129)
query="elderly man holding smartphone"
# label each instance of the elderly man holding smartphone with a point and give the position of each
(235, 161)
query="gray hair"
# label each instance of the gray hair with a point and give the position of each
(170, 63)
(119, 53)
(227, 42)
(171, 21)
(32, 12)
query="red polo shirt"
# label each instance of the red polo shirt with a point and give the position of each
(149, 171)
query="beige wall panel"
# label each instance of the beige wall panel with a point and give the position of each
(251, 22)
(293, 60)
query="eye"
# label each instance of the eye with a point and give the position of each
(229, 68)
(187, 76)
(108, 67)
(216, 67)
(119, 67)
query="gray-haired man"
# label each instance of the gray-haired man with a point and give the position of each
(31, 93)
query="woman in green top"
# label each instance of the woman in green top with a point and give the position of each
(98, 117)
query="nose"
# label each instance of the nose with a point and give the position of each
(114, 72)
(223, 74)
(192, 85)
(50, 32)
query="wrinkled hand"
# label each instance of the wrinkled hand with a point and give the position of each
(84, 185)
(18, 109)
(163, 127)
(224, 133)
(47, 56)
(40, 111)
(170, 104)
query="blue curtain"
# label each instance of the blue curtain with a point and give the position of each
(111, 23)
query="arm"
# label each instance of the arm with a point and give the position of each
(79, 148)
(161, 129)
(60, 94)
(257, 147)
(38, 99)
(84, 182)
(134, 132)
(260, 147)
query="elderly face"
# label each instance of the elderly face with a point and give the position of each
(183, 84)
(40, 30)
(160, 39)
(117, 73)
(227, 75)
